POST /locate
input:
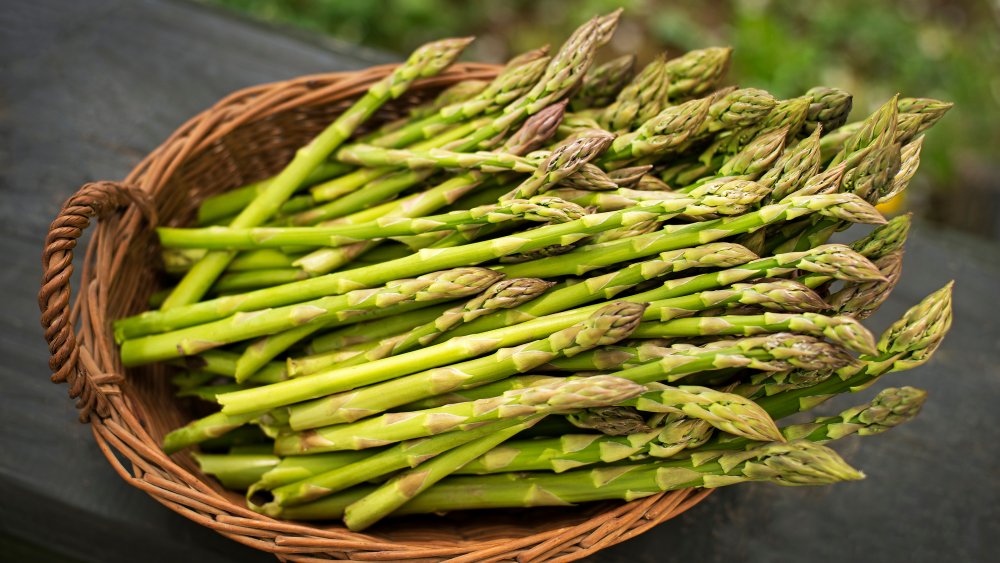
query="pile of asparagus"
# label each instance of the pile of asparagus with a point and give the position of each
(571, 283)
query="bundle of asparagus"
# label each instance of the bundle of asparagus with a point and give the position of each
(568, 284)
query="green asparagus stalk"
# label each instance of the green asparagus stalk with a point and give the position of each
(426, 61)
(861, 300)
(456, 93)
(796, 463)
(346, 308)
(786, 114)
(538, 209)
(236, 471)
(565, 159)
(890, 408)
(828, 109)
(736, 109)
(516, 79)
(729, 413)
(298, 467)
(929, 110)
(909, 162)
(211, 426)
(558, 397)
(612, 421)
(872, 128)
(660, 134)
(639, 100)
(843, 330)
(402, 488)
(794, 168)
(601, 85)
(696, 72)
(219, 362)
(607, 325)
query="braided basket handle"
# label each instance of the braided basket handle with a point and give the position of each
(96, 200)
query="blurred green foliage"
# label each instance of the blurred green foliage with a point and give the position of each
(928, 48)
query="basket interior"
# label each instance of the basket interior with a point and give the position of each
(253, 151)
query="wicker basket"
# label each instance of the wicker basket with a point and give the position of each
(248, 136)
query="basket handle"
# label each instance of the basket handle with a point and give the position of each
(96, 200)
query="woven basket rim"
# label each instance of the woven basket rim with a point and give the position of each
(83, 354)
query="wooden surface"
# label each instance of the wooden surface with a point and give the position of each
(88, 87)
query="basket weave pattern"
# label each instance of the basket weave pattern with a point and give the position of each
(246, 137)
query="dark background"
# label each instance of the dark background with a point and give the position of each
(88, 88)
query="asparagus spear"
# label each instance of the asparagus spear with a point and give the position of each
(728, 412)
(794, 168)
(427, 60)
(346, 308)
(607, 325)
(786, 114)
(828, 109)
(558, 397)
(538, 209)
(639, 100)
(861, 300)
(909, 162)
(929, 110)
(564, 160)
(659, 134)
(843, 330)
(872, 128)
(736, 109)
(298, 467)
(795, 463)
(696, 72)
(236, 471)
(601, 85)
